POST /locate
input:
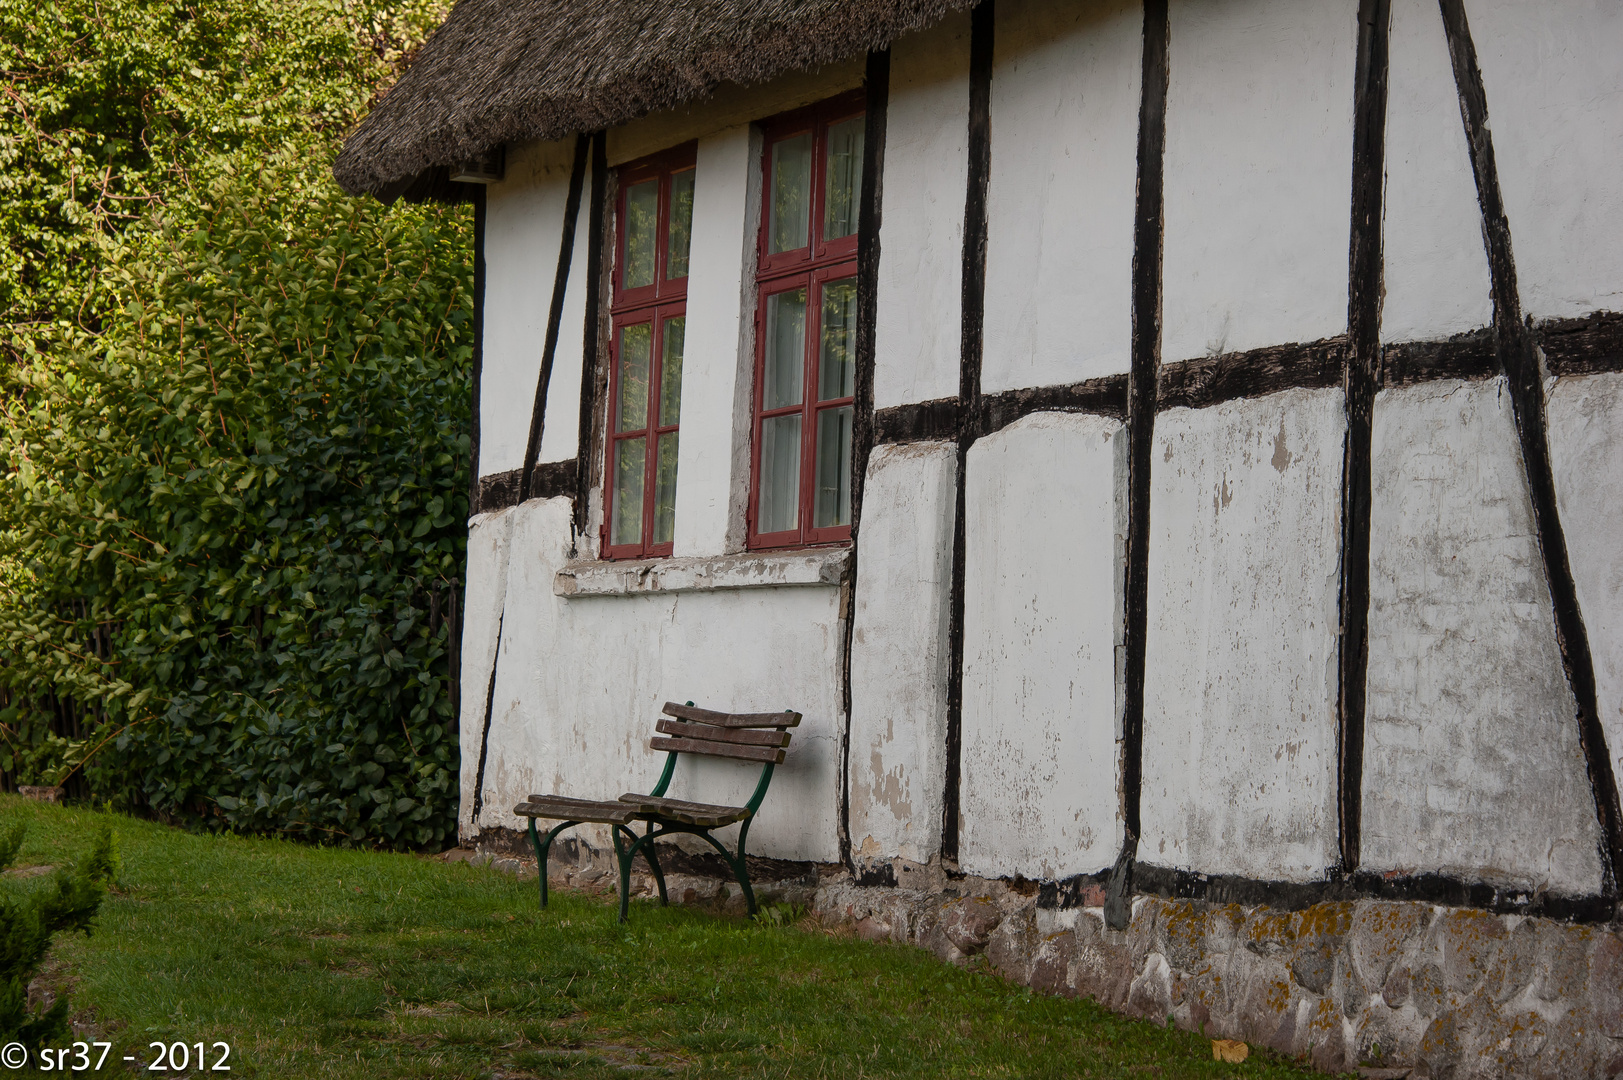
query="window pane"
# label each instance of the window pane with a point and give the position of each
(844, 179)
(833, 503)
(680, 233)
(632, 413)
(836, 356)
(630, 459)
(681, 230)
(785, 349)
(780, 474)
(665, 490)
(791, 194)
(642, 222)
(670, 372)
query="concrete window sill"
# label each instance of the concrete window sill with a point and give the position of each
(754, 570)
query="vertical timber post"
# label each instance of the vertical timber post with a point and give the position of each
(1361, 377)
(555, 314)
(590, 368)
(973, 281)
(1142, 398)
(877, 85)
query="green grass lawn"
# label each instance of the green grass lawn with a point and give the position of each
(315, 962)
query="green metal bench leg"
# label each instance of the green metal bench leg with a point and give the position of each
(541, 848)
(735, 863)
(623, 858)
(653, 864)
(741, 869)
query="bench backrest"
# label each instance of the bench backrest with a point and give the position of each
(742, 736)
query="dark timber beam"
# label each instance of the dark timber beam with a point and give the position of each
(877, 85)
(478, 343)
(1176, 884)
(555, 315)
(973, 307)
(592, 372)
(484, 729)
(1361, 378)
(1142, 393)
(1519, 360)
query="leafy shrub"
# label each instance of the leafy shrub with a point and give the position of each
(231, 421)
(253, 478)
(26, 929)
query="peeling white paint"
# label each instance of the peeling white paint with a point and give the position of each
(899, 651)
(1436, 269)
(523, 229)
(1258, 173)
(560, 432)
(581, 682)
(1472, 764)
(1045, 532)
(824, 566)
(482, 610)
(1060, 199)
(1553, 72)
(1239, 772)
(916, 331)
(1586, 450)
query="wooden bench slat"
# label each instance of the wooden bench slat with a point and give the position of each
(731, 720)
(739, 736)
(718, 749)
(704, 815)
(562, 808)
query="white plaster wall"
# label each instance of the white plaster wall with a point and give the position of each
(1586, 449)
(1471, 758)
(560, 431)
(1553, 72)
(921, 236)
(1240, 681)
(581, 682)
(523, 229)
(712, 469)
(1258, 179)
(899, 651)
(481, 615)
(1436, 271)
(1060, 200)
(1045, 529)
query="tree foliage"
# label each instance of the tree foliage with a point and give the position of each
(245, 467)
(109, 108)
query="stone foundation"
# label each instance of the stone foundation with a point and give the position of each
(1394, 988)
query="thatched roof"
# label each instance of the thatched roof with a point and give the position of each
(507, 71)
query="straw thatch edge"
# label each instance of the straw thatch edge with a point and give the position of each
(500, 72)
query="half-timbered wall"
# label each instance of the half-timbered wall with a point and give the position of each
(1123, 284)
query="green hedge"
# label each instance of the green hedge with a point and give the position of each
(255, 475)
(233, 422)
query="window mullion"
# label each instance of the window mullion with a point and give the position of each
(808, 398)
(650, 458)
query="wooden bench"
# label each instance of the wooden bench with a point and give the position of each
(741, 736)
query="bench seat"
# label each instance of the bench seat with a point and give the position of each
(560, 808)
(754, 737)
(704, 815)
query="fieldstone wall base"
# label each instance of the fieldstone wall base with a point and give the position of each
(1388, 988)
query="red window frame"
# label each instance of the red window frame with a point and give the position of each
(810, 267)
(654, 304)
